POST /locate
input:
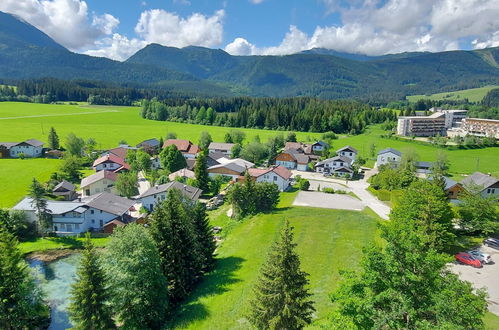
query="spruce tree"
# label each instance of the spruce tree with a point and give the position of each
(53, 139)
(88, 309)
(204, 235)
(37, 193)
(201, 173)
(21, 304)
(282, 300)
(175, 237)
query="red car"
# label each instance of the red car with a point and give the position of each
(468, 259)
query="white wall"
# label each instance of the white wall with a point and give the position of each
(28, 151)
(110, 166)
(274, 178)
(98, 187)
(149, 202)
(289, 165)
(387, 158)
(351, 155)
(302, 167)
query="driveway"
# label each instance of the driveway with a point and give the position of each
(485, 277)
(328, 201)
(144, 185)
(357, 187)
(314, 184)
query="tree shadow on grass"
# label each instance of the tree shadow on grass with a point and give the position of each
(464, 243)
(214, 283)
(70, 242)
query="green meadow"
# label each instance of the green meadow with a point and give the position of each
(327, 241)
(472, 94)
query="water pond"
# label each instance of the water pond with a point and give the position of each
(55, 279)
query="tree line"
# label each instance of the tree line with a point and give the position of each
(300, 113)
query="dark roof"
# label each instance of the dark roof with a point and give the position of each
(192, 193)
(190, 163)
(480, 179)
(393, 151)
(301, 158)
(335, 158)
(231, 166)
(343, 169)
(109, 203)
(216, 155)
(449, 183)
(8, 145)
(34, 142)
(348, 148)
(154, 143)
(322, 143)
(423, 164)
(64, 185)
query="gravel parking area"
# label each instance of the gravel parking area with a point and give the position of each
(487, 276)
(328, 201)
(324, 184)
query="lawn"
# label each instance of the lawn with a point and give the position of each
(17, 174)
(106, 124)
(473, 95)
(328, 240)
(462, 161)
(57, 243)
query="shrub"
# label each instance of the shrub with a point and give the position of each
(328, 190)
(304, 184)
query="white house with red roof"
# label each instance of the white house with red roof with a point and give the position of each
(110, 162)
(186, 147)
(278, 175)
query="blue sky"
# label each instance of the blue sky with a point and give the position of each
(118, 28)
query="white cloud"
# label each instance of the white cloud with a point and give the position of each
(374, 27)
(256, 2)
(169, 29)
(117, 47)
(240, 46)
(66, 21)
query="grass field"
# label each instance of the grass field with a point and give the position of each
(107, 125)
(17, 174)
(57, 243)
(473, 95)
(328, 240)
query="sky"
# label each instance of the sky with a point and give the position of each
(118, 28)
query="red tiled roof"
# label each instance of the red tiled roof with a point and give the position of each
(282, 172)
(119, 151)
(182, 145)
(256, 172)
(279, 170)
(110, 158)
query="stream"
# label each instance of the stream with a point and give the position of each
(55, 279)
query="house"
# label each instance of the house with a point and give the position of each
(487, 184)
(348, 151)
(30, 149)
(231, 168)
(388, 156)
(278, 175)
(65, 189)
(423, 167)
(54, 154)
(150, 146)
(121, 151)
(213, 157)
(183, 173)
(88, 214)
(186, 147)
(452, 188)
(338, 165)
(319, 146)
(157, 194)
(224, 148)
(291, 160)
(110, 162)
(102, 181)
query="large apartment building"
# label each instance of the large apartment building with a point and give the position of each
(479, 127)
(435, 124)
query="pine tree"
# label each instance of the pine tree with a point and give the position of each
(38, 193)
(201, 172)
(204, 235)
(21, 305)
(53, 139)
(282, 300)
(88, 309)
(175, 238)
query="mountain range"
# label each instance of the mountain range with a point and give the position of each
(26, 52)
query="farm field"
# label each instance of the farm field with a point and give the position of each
(106, 124)
(17, 174)
(473, 95)
(328, 240)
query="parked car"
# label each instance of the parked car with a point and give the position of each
(468, 259)
(483, 257)
(492, 242)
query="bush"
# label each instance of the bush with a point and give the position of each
(304, 184)
(328, 190)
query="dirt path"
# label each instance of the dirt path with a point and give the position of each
(58, 115)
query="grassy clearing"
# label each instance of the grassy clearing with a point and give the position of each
(473, 95)
(491, 321)
(17, 174)
(462, 161)
(328, 240)
(58, 243)
(107, 125)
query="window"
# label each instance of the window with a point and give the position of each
(69, 227)
(101, 223)
(489, 191)
(93, 220)
(100, 211)
(77, 226)
(91, 211)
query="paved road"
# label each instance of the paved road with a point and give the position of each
(485, 277)
(144, 185)
(328, 201)
(357, 187)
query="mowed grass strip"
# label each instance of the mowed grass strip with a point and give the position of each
(106, 124)
(327, 241)
(17, 174)
(472, 94)
(58, 243)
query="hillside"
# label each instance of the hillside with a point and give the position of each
(26, 52)
(472, 94)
